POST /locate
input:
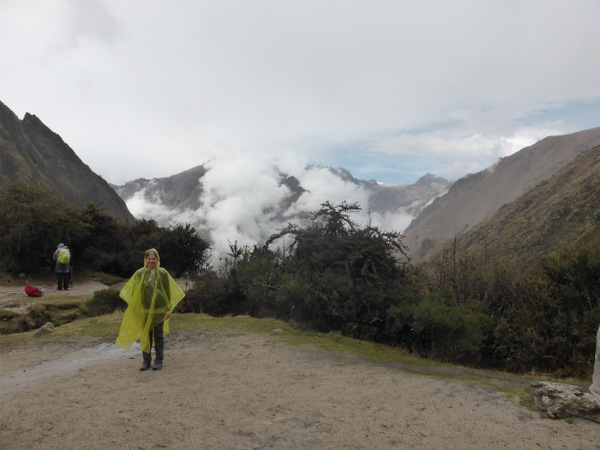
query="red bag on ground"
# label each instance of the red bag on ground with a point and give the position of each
(32, 291)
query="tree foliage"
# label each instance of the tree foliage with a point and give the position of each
(334, 275)
(542, 320)
(35, 219)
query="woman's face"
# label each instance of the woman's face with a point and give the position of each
(151, 261)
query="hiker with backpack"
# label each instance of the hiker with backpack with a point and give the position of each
(62, 256)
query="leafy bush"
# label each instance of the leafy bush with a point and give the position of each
(445, 331)
(104, 301)
(211, 294)
(551, 326)
(543, 320)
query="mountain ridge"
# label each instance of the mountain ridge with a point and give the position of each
(420, 191)
(439, 209)
(475, 197)
(562, 211)
(31, 152)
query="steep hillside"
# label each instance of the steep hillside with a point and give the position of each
(474, 198)
(178, 191)
(31, 152)
(560, 212)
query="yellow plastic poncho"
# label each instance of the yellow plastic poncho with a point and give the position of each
(150, 294)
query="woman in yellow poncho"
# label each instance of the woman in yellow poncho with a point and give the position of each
(151, 294)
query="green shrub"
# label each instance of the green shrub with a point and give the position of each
(104, 302)
(211, 295)
(446, 331)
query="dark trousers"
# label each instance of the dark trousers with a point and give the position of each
(156, 336)
(63, 280)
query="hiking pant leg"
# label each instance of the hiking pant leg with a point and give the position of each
(159, 341)
(62, 281)
(147, 357)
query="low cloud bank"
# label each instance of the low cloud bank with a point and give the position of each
(244, 201)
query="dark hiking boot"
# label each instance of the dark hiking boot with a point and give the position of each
(157, 365)
(145, 365)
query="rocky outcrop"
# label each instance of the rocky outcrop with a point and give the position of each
(559, 401)
(46, 328)
(30, 152)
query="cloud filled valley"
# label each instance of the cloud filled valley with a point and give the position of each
(246, 199)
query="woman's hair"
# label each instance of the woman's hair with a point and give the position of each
(147, 253)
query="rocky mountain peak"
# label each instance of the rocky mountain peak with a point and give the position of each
(31, 152)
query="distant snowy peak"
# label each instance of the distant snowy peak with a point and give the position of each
(186, 189)
(425, 181)
(243, 201)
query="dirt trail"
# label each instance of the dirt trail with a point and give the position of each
(245, 391)
(13, 297)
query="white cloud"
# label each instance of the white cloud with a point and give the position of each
(152, 208)
(243, 197)
(152, 89)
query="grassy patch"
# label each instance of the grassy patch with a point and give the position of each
(58, 302)
(105, 278)
(295, 336)
(105, 327)
(36, 311)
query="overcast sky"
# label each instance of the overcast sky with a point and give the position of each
(389, 90)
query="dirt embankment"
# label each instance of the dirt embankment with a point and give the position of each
(19, 312)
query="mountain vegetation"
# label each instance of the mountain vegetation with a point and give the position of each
(561, 212)
(35, 219)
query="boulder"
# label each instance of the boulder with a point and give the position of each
(559, 400)
(44, 328)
